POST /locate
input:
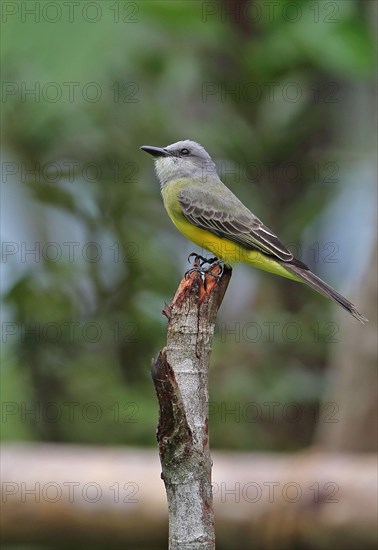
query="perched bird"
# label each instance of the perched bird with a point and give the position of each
(211, 216)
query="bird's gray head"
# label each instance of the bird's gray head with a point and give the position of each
(182, 160)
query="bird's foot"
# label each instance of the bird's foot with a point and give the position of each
(200, 261)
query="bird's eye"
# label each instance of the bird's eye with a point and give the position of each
(184, 152)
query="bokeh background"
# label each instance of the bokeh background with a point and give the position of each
(282, 95)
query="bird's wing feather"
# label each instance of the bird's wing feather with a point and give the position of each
(227, 217)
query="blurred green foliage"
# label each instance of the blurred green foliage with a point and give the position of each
(169, 71)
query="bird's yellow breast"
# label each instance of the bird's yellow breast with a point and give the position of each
(225, 249)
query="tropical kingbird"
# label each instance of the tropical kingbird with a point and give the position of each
(211, 216)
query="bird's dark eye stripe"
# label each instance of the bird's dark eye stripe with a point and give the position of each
(184, 151)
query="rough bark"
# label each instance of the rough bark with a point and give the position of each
(180, 375)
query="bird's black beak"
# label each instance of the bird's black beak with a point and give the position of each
(155, 151)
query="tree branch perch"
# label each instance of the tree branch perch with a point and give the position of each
(180, 375)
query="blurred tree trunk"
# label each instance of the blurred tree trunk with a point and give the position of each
(112, 497)
(353, 378)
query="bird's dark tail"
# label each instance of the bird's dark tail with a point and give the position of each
(312, 280)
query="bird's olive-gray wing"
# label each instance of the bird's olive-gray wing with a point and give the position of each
(227, 217)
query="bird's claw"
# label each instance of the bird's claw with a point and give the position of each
(201, 259)
(198, 268)
(214, 262)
